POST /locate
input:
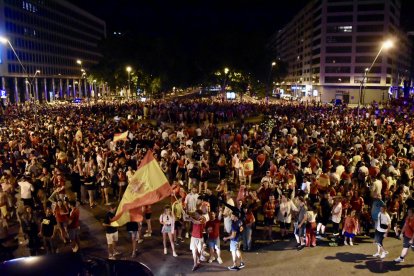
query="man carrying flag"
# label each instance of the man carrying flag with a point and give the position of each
(147, 186)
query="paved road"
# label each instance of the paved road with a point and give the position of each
(279, 258)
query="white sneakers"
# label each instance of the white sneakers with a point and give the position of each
(399, 260)
(351, 243)
(147, 235)
(175, 254)
(165, 251)
(212, 259)
(219, 260)
(382, 256)
(345, 242)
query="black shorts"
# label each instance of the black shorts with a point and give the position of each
(324, 220)
(406, 242)
(148, 215)
(268, 221)
(178, 224)
(285, 225)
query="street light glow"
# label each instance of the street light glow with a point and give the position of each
(4, 40)
(388, 44)
(273, 63)
(79, 62)
(129, 69)
(226, 70)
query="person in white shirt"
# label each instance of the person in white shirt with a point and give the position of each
(26, 189)
(284, 216)
(190, 202)
(376, 188)
(381, 231)
(227, 213)
(336, 215)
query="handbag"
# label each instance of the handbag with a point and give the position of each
(382, 226)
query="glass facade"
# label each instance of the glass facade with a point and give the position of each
(47, 35)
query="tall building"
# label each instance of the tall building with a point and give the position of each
(329, 45)
(46, 47)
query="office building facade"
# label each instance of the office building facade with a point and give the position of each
(329, 45)
(47, 48)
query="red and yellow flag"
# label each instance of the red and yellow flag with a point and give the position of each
(120, 136)
(148, 186)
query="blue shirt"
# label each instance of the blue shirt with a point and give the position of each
(235, 227)
(376, 208)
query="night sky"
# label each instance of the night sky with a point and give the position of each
(195, 17)
(201, 36)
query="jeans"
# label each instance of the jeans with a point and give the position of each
(247, 238)
(49, 245)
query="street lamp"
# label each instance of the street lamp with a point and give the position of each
(273, 64)
(30, 83)
(129, 69)
(226, 71)
(385, 45)
(78, 61)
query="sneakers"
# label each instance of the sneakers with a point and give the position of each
(242, 265)
(376, 255)
(212, 259)
(187, 235)
(399, 260)
(165, 251)
(140, 241)
(351, 243)
(219, 260)
(175, 254)
(345, 242)
(147, 235)
(383, 255)
(233, 268)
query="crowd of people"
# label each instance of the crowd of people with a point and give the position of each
(308, 169)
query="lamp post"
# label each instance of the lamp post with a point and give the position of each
(129, 69)
(223, 90)
(30, 83)
(385, 45)
(4, 40)
(273, 64)
(80, 80)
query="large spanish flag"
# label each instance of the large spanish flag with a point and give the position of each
(148, 186)
(121, 136)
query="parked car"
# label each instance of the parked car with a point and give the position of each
(71, 264)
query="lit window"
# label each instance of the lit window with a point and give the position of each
(345, 29)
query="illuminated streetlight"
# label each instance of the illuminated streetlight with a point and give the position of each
(129, 69)
(79, 62)
(385, 45)
(226, 70)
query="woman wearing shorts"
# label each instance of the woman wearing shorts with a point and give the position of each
(381, 231)
(284, 216)
(61, 214)
(167, 221)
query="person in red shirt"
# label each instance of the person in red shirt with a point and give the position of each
(74, 226)
(196, 244)
(350, 228)
(248, 225)
(61, 215)
(213, 230)
(357, 202)
(269, 210)
(408, 235)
